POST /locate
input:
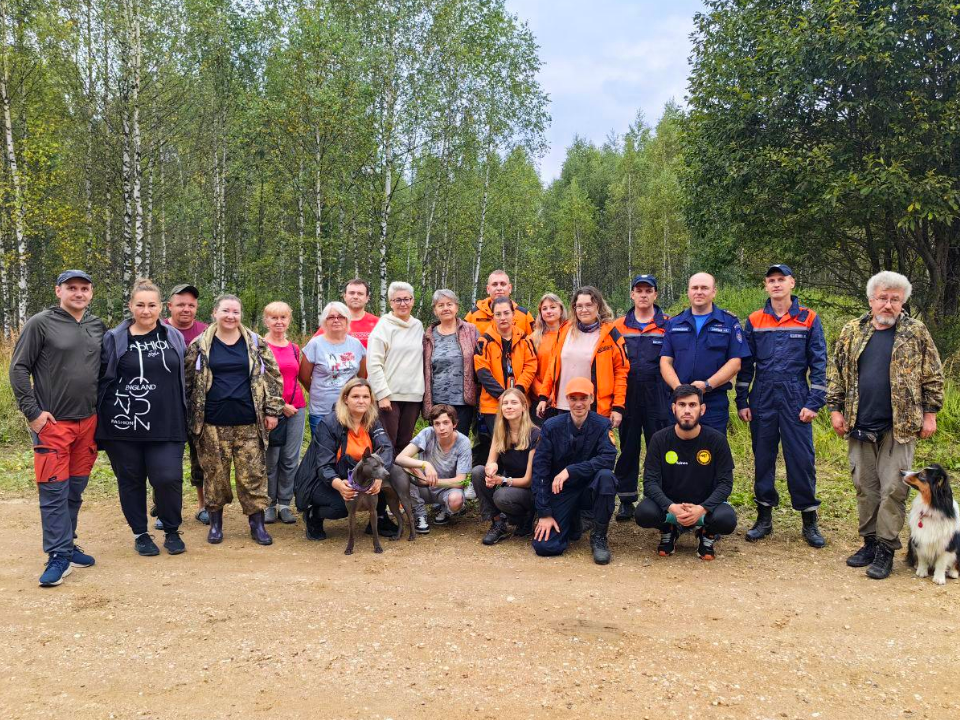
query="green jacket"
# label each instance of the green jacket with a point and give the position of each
(916, 376)
(266, 383)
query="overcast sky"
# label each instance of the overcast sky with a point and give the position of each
(603, 61)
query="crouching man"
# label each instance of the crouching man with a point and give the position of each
(573, 471)
(687, 478)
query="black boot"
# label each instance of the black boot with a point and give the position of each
(625, 513)
(882, 562)
(811, 533)
(864, 556)
(314, 525)
(215, 535)
(764, 524)
(598, 541)
(258, 531)
(525, 526)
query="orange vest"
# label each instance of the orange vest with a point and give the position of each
(481, 316)
(489, 364)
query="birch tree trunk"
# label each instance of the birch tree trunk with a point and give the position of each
(317, 228)
(300, 252)
(483, 220)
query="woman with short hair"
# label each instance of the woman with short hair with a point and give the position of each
(448, 374)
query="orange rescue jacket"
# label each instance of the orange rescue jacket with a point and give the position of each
(496, 373)
(481, 316)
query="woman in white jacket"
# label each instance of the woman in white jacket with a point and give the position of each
(395, 366)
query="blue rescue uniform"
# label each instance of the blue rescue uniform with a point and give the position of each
(697, 356)
(786, 352)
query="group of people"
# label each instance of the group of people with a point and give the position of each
(541, 393)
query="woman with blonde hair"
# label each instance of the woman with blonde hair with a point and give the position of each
(551, 317)
(503, 484)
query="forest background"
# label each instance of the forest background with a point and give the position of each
(276, 148)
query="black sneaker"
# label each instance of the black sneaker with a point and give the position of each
(144, 545)
(173, 544)
(626, 511)
(498, 531)
(668, 541)
(706, 547)
(864, 556)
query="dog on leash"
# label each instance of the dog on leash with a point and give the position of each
(934, 525)
(361, 479)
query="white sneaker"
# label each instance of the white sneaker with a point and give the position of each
(441, 518)
(469, 493)
(421, 525)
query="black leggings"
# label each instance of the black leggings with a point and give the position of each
(722, 521)
(159, 462)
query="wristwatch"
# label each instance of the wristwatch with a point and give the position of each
(507, 481)
(707, 387)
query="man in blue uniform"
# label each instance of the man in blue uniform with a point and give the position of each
(786, 345)
(573, 471)
(703, 346)
(647, 395)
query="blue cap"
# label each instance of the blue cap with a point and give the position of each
(648, 279)
(71, 275)
(781, 268)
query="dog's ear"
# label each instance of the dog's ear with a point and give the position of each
(366, 453)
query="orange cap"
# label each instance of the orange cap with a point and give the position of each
(578, 386)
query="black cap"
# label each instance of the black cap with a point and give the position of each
(185, 288)
(72, 275)
(650, 280)
(781, 268)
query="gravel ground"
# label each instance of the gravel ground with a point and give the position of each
(446, 628)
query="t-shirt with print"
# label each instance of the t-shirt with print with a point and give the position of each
(145, 401)
(446, 367)
(333, 366)
(450, 464)
(360, 329)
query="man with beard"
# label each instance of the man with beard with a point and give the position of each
(687, 478)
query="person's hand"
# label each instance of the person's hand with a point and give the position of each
(700, 384)
(41, 421)
(289, 410)
(375, 488)
(615, 419)
(929, 425)
(490, 469)
(544, 527)
(746, 415)
(270, 422)
(559, 480)
(385, 404)
(493, 481)
(839, 424)
(807, 415)
(346, 492)
(689, 514)
(541, 408)
(430, 474)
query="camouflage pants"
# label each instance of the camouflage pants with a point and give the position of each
(219, 447)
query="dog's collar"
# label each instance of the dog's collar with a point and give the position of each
(352, 485)
(923, 514)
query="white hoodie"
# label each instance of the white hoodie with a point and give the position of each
(395, 359)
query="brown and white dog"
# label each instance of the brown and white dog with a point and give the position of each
(934, 525)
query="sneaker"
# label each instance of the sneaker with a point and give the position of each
(441, 518)
(706, 549)
(80, 559)
(421, 526)
(286, 515)
(58, 567)
(173, 544)
(270, 515)
(498, 531)
(158, 525)
(203, 516)
(144, 545)
(668, 541)
(525, 526)
(469, 493)
(385, 527)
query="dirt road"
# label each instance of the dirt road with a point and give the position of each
(446, 628)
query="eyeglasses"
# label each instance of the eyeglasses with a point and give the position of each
(338, 318)
(578, 308)
(894, 301)
(402, 301)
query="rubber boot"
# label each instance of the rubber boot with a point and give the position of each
(215, 535)
(258, 530)
(882, 562)
(811, 533)
(598, 542)
(764, 524)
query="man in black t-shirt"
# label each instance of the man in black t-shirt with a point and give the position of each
(687, 478)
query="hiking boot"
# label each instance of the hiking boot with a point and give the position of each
(764, 524)
(203, 516)
(626, 511)
(314, 525)
(58, 567)
(270, 515)
(385, 527)
(525, 526)
(215, 535)
(144, 545)
(498, 531)
(257, 530)
(285, 514)
(864, 556)
(882, 562)
(668, 540)
(811, 533)
(79, 559)
(598, 542)
(421, 525)
(173, 544)
(706, 547)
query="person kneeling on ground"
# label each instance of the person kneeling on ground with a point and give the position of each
(573, 471)
(503, 484)
(438, 460)
(687, 478)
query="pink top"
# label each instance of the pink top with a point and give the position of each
(576, 360)
(191, 333)
(288, 358)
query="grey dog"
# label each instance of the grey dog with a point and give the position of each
(362, 477)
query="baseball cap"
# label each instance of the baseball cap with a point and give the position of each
(578, 386)
(781, 268)
(71, 275)
(185, 288)
(650, 280)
